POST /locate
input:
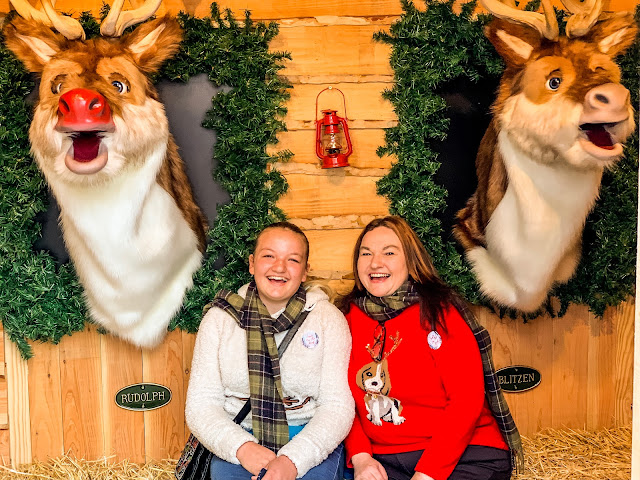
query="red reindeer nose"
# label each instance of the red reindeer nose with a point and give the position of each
(81, 110)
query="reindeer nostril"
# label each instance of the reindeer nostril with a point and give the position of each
(94, 104)
(602, 98)
(63, 105)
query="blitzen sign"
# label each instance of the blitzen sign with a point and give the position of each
(518, 378)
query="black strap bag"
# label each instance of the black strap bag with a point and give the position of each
(195, 459)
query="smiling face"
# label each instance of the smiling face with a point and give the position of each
(278, 265)
(382, 265)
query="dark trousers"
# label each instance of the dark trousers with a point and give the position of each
(476, 463)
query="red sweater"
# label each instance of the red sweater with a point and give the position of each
(441, 393)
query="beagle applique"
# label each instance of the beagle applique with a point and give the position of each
(374, 379)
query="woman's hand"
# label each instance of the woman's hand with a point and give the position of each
(254, 457)
(280, 468)
(365, 467)
(421, 476)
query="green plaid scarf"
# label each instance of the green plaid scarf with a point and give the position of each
(382, 309)
(269, 419)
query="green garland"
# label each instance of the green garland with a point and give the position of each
(41, 300)
(433, 47)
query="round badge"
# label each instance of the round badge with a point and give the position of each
(434, 339)
(310, 339)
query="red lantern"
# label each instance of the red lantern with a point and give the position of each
(332, 133)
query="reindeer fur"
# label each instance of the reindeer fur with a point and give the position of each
(538, 178)
(132, 229)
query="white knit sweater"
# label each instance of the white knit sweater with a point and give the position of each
(314, 380)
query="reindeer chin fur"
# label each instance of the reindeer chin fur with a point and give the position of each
(534, 233)
(133, 251)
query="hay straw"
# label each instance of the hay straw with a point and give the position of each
(578, 455)
(69, 468)
(549, 455)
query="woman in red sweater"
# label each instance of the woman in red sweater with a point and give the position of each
(428, 404)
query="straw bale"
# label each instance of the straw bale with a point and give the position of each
(69, 468)
(578, 455)
(549, 455)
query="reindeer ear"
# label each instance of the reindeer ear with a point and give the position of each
(154, 42)
(514, 43)
(33, 43)
(614, 34)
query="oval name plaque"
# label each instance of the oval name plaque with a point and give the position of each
(143, 396)
(518, 378)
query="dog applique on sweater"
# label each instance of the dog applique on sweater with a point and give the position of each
(374, 379)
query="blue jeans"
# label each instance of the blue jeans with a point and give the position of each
(331, 469)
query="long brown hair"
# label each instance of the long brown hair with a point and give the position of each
(435, 295)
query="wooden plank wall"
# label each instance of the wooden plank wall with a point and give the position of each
(61, 401)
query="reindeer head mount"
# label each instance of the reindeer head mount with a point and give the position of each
(113, 25)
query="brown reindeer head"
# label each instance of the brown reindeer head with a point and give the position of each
(98, 113)
(560, 97)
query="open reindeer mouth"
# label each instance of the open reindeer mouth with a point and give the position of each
(87, 154)
(86, 145)
(598, 134)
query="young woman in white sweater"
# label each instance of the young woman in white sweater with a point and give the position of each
(303, 403)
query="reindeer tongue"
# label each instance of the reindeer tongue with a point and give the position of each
(598, 135)
(85, 146)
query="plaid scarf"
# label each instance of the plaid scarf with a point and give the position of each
(269, 419)
(382, 309)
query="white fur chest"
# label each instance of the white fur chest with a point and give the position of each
(541, 214)
(132, 248)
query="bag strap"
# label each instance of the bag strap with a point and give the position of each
(246, 408)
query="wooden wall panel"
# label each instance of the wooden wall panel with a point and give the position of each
(188, 342)
(18, 404)
(330, 251)
(282, 9)
(164, 427)
(570, 369)
(623, 364)
(365, 143)
(530, 344)
(365, 106)
(260, 9)
(347, 50)
(81, 387)
(121, 365)
(316, 195)
(601, 350)
(5, 443)
(46, 407)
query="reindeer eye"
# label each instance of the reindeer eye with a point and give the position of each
(56, 87)
(554, 83)
(120, 86)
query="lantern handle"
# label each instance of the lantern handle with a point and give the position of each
(344, 100)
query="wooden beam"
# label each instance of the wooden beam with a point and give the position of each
(19, 420)
(635, 438)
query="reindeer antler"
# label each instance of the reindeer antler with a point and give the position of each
(67, 26)
(545, 23)
(396, 341)
(117, 20)
(584, 16)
